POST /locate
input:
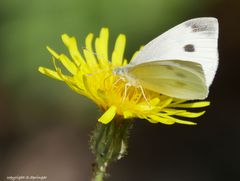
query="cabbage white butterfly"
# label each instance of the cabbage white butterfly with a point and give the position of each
(180, 63)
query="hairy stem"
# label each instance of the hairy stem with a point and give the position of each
(109, 143)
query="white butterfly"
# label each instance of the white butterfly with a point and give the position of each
(180, 63)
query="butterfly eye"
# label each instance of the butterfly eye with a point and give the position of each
(189, 48)
(117, 71)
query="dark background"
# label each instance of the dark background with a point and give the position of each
(45, 127)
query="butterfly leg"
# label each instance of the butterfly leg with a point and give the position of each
(125, 91)
(144, 95)
(121, 78)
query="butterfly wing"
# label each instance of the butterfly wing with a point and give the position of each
(175, 78)
(194, 40)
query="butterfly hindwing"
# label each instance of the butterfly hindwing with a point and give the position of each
(179, 79)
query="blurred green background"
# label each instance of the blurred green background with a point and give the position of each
(45, 127)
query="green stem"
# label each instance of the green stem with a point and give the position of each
(98, 176)
(108, 144)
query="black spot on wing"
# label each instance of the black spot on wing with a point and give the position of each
(201, 26)
(189, 48)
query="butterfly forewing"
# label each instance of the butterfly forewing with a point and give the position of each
(194, 40)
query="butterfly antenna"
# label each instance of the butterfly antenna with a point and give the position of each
(94, 53)
(99, 72)
(106, 80)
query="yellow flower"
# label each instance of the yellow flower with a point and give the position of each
(91, 75)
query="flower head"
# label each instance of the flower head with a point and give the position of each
(92, 75)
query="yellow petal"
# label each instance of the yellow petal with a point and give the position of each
(108, 115)
(157, 119)
(70, 82)
(50, 73)
(88, 42)
(127, 114)
(55, 54)
(71, 44)
(125, 62)
(183, 113)
(89, 54)
(184, 122)
(192, 105)
(118, 52)
(165, 103)
(191, 114)
(180, 121)
(101, 46)
(154, 101)
(68, 64)
(91, 61)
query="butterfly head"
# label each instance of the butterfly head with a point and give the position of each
(119, 71)
(124, 75)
